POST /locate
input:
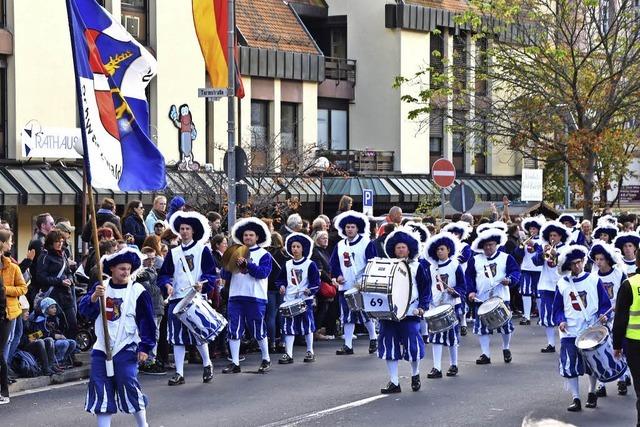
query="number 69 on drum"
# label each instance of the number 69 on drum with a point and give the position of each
(374, 301)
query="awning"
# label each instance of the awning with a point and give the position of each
(336, 187)
(74, 176)
(39, 186)
(9, 193)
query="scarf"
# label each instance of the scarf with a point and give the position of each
(159, 214)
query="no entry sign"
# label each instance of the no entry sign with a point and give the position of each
(443, 173)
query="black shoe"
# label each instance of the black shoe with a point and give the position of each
(415, 382)
(176, 379)
(576, 406)
(265, 366)
(434, 373)
(344, 350)
(622, 388)
(231, 368)
(548, 349)
(373, 346)
(627, 380)
(207, 374)
(601, 391)
(592, 401)
(463, 330)
(391, 388)
(75, 362)
(152, 369)
(453, 371)
(507, 356)
(285, 359)
(525, 322)
(483, 360)
(309, 357)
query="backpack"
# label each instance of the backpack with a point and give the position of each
(25, 365)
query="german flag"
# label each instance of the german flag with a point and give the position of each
(211, 22)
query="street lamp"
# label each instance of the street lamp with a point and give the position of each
(321, 165)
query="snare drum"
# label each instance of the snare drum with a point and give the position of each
(597, 350)
(353, 297)
(441, 318)
(494, 313)
(386, 284)
(293, 308)
(197, 315)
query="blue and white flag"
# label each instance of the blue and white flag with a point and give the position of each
(112, 72)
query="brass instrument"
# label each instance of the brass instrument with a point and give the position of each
(549, 257)
(523, 243)
(231, 256)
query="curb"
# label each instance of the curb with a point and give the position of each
(24, 384)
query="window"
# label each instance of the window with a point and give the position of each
(436, 46)
(460, 62)
(333, 126)
(289, 150)
(3, 9)
(436, 135)
(134, 19)
(458, 139)
(482, 67)
(339, 42)
(259, 135)
(480, 150)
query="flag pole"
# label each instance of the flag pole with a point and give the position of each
(87, 177)
(231, 111)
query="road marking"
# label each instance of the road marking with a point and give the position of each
(49, 387)
(294, 421)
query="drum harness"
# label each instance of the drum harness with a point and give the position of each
(489, 273)
(582, 307)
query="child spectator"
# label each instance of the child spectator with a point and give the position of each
(52, 324)
(148, 278)
(32, 341)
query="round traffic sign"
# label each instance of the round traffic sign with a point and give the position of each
(443, 173)
(462, 198)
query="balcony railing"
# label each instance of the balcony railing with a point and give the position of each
(340, 69)
(357, 161)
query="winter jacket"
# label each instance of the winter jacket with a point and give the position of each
(149, 278)
(49, 266)
(14, 286)
(133, 224)
(102, 216)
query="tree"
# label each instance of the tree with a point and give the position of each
(563, 80)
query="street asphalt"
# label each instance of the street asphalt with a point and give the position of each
(345, 391)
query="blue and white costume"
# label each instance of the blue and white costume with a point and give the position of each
(402, 339)
(549, 277)
(299, 279)
(606, 232)
(530, 275)
(484, 277)
(462, 230)
(576, 237)
(573, 295)
(132, 329)
(629, 261)
(248, 290)
(349, 260)
(421, 231)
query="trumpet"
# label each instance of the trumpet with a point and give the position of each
(523, 243)
(551, 258)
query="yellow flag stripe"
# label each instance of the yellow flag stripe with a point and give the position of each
(204, 19)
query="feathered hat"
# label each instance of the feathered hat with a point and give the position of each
(627, 237)
(607, 220)
(303, 239)
(443, 238)
(568, 218)
(607, 250)
(126, 255)
(568, 255)
(253, 224)
(402, 235)
(533, 221)
(461, 228)
(556, 226)
(498, 225)
(489, 235)
(197, 221)
(360, 220)
(421, 230)
(608, 229)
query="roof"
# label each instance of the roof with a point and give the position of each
(271, 24)
(319, 3)
(455, 5)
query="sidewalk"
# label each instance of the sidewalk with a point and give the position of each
(23, 384)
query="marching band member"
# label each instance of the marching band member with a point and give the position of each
(447, 287)
(489, 273)
(401, 339)
(607, 220)
(530, 272)
(611, 273)
(248, 292)
(462, 230)
(421, 230)
(605, 232)
(348, 262)
(554, 236)
(628, 244)
(190, 265)
(579, 300)
(575, 234)
(299, 279)
(132, 329)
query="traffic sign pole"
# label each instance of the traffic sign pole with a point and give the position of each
(442, 202)
(464, 203)
(443, 173)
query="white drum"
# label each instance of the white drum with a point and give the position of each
(597, 350)
(493, 313)
(353, 297)
(441, 318)
(293, 308)
(199, 317)
(386, 288)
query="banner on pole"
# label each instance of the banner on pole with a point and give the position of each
(531, 190)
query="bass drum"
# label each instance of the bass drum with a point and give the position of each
(387, 282)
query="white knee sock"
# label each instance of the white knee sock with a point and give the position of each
(463, 320)
(178, 354)
(485, 340)
(573, 385)
(526, 304)
(539, 307)
(204, 353)
(348, 334)
(234, 347)
(392, 367)
(453, 355)
(371, 329)
(415, 367)
(551, 336)
(104, 420)
(437, 356)
(592, 384)
(264, 349)
(141, 418)
(309, 340)
(288, 344)
(506, 339)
